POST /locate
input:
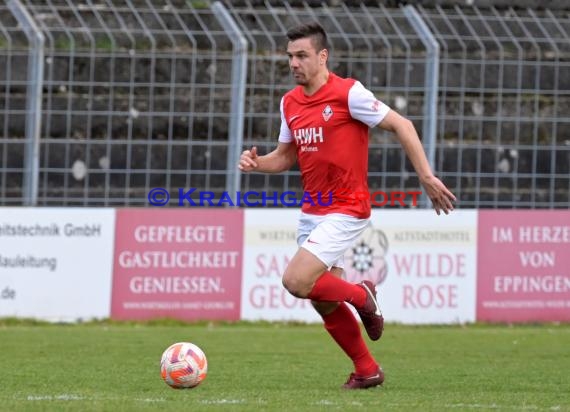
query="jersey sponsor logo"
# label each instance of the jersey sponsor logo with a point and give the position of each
(327, 113)
(376, 106)
(308, 135)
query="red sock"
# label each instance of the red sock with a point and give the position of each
(344, 329)
(331, 288)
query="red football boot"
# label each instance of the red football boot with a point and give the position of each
(370, 313)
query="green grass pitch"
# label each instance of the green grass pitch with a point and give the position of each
(107, 366)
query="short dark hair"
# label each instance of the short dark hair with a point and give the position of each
(313, 30)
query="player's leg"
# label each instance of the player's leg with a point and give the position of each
(343, 327)
(306, 275)
(338, 319)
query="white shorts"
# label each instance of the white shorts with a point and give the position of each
(328, 237)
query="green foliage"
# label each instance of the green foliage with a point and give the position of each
(198, 4)
(114, 366)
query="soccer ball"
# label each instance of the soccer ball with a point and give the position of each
(183, 365)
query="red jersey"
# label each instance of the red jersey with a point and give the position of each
(330, 131)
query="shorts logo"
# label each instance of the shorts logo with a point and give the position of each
(312, 241)
(327, 113)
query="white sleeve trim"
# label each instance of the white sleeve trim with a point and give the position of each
(285, 135)
(364, 106)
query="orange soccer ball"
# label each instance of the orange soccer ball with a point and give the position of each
(183, 365)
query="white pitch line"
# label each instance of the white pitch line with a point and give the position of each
(222, 401)
(62, 397)
(325, 402)
(495, 406)
(150, 399)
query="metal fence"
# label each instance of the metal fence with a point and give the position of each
(136, 94)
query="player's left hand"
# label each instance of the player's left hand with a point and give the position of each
(441, 197)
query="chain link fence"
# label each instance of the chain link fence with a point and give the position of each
(137, 94)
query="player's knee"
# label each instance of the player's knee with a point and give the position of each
(295, 286)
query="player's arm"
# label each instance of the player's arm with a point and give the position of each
(405, 131)
(279, 160)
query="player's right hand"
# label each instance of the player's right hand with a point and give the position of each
(248, 160)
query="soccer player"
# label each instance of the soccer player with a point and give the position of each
(325, 123)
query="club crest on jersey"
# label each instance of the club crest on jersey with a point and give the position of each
(327, 113)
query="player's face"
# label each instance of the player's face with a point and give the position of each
(304, 61)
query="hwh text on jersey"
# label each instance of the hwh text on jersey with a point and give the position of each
(308, 135)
